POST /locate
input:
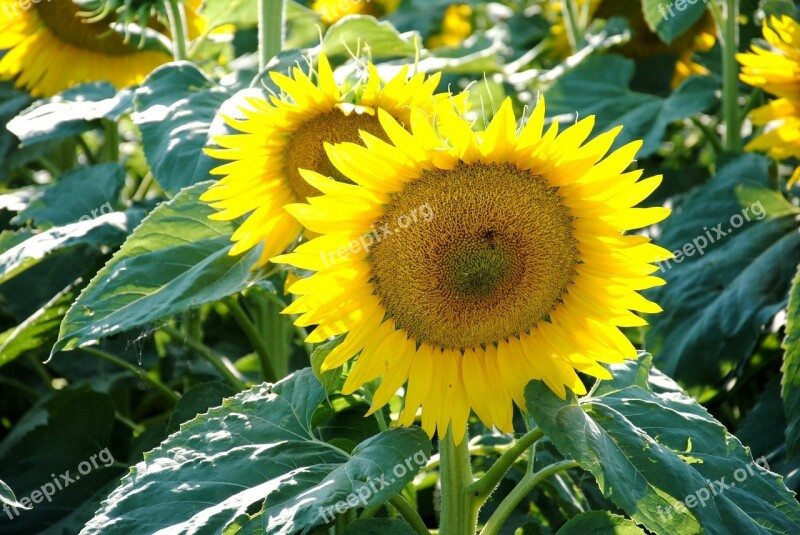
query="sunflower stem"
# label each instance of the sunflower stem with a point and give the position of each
(459, 510)
(250, 330)
(409, 514)
(524, 488)
(728, 24)
(270, 30)
(177, 26)
(481, 489)
(216, 361)
(143, 375)
(570, 16)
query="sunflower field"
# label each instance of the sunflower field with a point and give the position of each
(399, 267)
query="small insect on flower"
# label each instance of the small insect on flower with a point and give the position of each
(525, 272)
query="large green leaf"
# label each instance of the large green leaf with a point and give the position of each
(791, 371)
(599, 523)
(79, 195)
(21, 250)
(361, 31)
(258, 445)
(71, 112)
(717, 303)
(39, 331)
(175, 260)
(66, 438)
(671, 19)
(175, 107)
(660, 457)
(600, 86)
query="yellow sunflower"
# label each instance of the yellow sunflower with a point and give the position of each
(50, 47)
(645, 43)
(456, 26)
(777, 72)
(334, 10)
(463, 265)
(288, 134)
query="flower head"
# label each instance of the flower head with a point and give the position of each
(777, 71)
(52, 45)
(463, 265)
(280, 137)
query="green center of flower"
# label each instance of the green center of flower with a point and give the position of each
(493, 258)
(305, 149)
(477, 268)
(62, 19)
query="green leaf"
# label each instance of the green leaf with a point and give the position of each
(258, 445)
(358, 32)
(660, 457)
(697, 339)
(790, 391)
(599, 523)
(600, 86)
(198, 400)
(7, 496)
(379, 526)
(22, 250)
(671, 19)
(64, 438)
(177, 259)
(331, 379)
(79, 195)
(175, 107)
(39, 331)
(71, 112)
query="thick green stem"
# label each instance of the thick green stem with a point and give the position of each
(459, 510)
(729, 27)
(177, 26)
(516, 496)
(143, 375)
(569, 14)
(481, 489)
(410, 514)
(229, 372)
(270, 30)
(111, 142)
(238, 313)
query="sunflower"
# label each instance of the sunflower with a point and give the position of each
(288, 134)
(645, 43)
(456, 27)
(50, 46)
(334, 10)
(462, 265)
(777, 72)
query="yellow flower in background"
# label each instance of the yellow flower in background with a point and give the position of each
(777, 72)
(51, 47)
(644, 43)
(456, 27)
(334, 10)
(288, 134)
(463, 265)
